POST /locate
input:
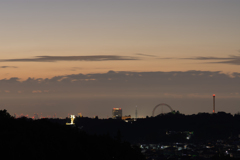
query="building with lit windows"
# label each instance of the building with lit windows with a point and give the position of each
(126, 117)
(117, 113)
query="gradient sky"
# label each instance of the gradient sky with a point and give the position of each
(52, 53)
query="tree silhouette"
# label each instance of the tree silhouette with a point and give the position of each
(4, 114)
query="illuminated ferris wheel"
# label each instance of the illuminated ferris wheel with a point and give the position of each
(162, 104)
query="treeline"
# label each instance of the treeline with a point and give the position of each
(44, 139)
(204, 126)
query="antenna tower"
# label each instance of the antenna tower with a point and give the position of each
(136, 113)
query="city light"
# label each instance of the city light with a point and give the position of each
(72, 119)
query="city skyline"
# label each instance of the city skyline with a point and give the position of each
(90, 56)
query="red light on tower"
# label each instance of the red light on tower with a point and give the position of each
(213, 103)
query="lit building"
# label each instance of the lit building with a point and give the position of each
(117, 113)
(72, 119)
(126, 117)
(80, 115)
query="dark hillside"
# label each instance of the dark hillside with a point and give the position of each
(42, 139)
(204, 126)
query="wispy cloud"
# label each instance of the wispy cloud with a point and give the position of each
(168, 58)
(8, 67)
(70, 58)
(235, 60)
(147, 55)
(231, 59)
(212, 58)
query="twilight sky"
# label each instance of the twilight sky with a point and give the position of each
(89, 56)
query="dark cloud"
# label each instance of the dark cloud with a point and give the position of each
(147, 55)
(135, 83)
(8, 67)
(91, 94)
(70, 58)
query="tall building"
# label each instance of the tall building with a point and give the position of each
(117, 113)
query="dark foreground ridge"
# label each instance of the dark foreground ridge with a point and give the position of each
(167, 136)
(171, 127)
(201, 136)
(42, 139)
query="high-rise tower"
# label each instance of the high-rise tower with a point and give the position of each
(136, 113)
(117, 113)
(213, 103)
